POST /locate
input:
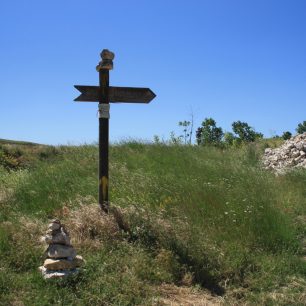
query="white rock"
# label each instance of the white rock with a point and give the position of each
(47, 274)
(291, 154)
(299, 146)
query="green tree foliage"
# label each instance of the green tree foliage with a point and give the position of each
(245, 132)
(301, 128)
(229, 138)
(209, 133)
(286, 135)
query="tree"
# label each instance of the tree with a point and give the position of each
(301, 128)
(245, 132)
(286, 135)
(209, 133)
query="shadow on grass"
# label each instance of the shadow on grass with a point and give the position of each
(202, 274)
(200, 266)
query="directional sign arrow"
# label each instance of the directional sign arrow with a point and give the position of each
(116, 94)
(131, 94)
(88, 93)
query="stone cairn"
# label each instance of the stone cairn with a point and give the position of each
(291, 154)
(61, 259)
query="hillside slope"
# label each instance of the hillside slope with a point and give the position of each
(16, 142)
(208, 221)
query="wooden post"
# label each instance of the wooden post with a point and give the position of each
(104, 94)
(103, 140)
(103, 68)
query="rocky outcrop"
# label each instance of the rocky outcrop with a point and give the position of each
(291, 154)
(61, 258)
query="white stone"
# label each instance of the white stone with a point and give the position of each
(47, 274)
(291, 154)
(299, 146)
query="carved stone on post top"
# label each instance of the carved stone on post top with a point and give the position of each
(107, 60)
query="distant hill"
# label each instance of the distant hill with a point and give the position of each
(16, 142)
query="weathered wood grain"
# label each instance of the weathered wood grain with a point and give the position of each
(116, 94)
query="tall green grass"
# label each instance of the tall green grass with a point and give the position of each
(216, 213)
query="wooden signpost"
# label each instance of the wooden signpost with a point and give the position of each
(104, 94)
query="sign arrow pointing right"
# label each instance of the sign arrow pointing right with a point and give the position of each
(116, 94)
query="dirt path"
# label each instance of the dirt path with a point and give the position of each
(172, 295)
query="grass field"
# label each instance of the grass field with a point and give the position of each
(207, 220)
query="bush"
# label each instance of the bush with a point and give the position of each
(286, 135)
(301, 128)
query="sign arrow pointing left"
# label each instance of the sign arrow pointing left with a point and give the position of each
(88, 93)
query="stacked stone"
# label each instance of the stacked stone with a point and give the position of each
(291, 154)
(61, 258)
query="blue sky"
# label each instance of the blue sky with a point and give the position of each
(229, 60)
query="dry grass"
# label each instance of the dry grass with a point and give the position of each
(29, 230)
(90, 227)
(177, 296)
(286, 294)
